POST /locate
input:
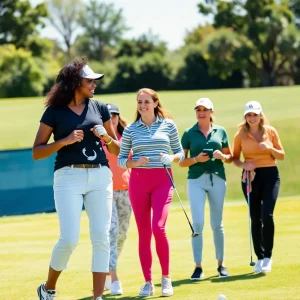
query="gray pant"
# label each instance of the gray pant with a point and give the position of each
(121, 213)
(197, 190)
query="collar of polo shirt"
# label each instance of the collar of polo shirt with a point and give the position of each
(157, 120)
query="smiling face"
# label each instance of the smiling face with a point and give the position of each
(203, 114)
(145, 104)
(253, 120)
(87, 88)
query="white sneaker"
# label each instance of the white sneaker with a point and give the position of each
(116, 288)
(107, 284)
(45, 295)
(258, 265)
(99, 298)
(147, 289)
(166, 287)
(266, 265)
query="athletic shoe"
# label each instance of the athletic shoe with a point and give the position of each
(98, 298)
(222, 271)
(147, 289)
(107, 284)
(116, 288)
(198, 274)
(266, 265)
(258, 265)
(166, 287)
(45, 295)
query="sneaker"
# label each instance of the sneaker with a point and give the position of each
(166, 287)
(107, 284)
(222, 271)
(116, 288)
(99, 298)
(266, 265)
(258, 265)
(45, 295)
(198, 274)
(147, 289)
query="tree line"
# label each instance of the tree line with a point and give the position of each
(250, 43)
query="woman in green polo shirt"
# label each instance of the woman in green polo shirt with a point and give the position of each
(208, 146)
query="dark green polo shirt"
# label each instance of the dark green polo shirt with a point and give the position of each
(195, 141)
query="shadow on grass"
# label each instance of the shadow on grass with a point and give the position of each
(176, 283)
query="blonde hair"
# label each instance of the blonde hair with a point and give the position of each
(245, 128)
(158, 110)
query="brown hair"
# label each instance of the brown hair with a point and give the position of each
(122, 123)
(67, 81)
(245, 128)
(158, 110)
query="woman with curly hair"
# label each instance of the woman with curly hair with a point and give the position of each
(81, 171)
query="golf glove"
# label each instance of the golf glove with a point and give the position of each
(101, 130)
(166, 159)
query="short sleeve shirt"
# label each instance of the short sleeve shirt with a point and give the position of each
(63, 121)
(195, 141)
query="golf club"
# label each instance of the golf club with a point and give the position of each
(252, 263)
(194, 234)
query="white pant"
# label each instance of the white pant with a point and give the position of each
(72, 188)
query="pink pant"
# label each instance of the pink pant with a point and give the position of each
(151, 189)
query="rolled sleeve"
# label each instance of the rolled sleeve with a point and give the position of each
(125, 148)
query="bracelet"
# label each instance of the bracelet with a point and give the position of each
(109, 141)
(195, 160)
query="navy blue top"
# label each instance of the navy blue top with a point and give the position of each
(63, 121)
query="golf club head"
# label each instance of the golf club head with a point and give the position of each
(252, 263)
(195, 234)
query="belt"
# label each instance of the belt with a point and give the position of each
(86, 166)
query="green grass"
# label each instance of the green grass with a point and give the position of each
(19, 120)
(27, 241)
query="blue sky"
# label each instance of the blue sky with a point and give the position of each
(169, 19)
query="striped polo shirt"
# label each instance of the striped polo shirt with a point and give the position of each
(150, 141)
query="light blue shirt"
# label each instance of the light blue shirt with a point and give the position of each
(161, 137)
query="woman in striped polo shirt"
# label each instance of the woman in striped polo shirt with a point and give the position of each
(151, 137)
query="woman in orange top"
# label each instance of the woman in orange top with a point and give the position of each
(261, 147)
(121, 211)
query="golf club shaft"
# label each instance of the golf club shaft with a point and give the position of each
(249, 215)
(173, 184)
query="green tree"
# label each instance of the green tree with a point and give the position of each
(263, 39)
(19, 21)
(64, 16)
(104, 26)
(295, 8)
(20, 74)
(199, 34)
(144, 44)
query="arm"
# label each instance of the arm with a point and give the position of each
(236, 153)
(111, 140)
(224, 155)
(277, 149)
(187, 162)
(41, 148)
(175, 145)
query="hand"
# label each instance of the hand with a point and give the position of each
(249, 166)
(219, 155)
(264, 146)
(202, 157)
(73, 137)
(166, 159)
(99, 131)
(142, 161)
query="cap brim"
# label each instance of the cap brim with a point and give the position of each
(255, 111)
(114, 112)
(203, 106)
(94, 76)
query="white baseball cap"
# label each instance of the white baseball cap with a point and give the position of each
(204, 102)
(254, 107)
(87, 72)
